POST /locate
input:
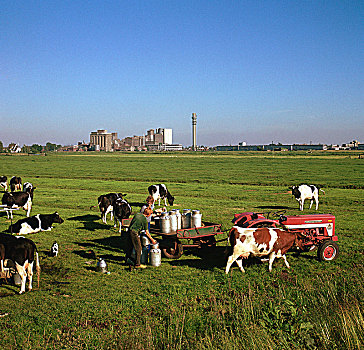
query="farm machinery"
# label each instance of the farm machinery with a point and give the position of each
(317, 230)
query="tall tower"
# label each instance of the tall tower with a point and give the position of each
(194, 122)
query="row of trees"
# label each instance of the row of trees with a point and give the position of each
(35, 148)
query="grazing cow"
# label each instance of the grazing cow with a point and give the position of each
(36, 223)
(106, 202)
(18, 200)
(23, 252)
(303, 192)
(160, 192)
(259, 242)
(15, 183)
(27, 186)
(122, 210)
(4, 182)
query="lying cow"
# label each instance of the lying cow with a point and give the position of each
(4, 182)
(15, 183)
(272, 242)
(159, 192)
(303, 192)
(36, 223)
(18, 200)
(106, 203)
(23, 253)
(121, 210)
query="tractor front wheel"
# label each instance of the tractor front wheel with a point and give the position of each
(328, 251)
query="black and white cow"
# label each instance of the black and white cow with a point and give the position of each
(303, 192)
(4, 182)
(160, 192)
(106, 202)
(18, 200)
(36, 223)
(15, 183)
(121, 210)
(27, 186)
(23, 253)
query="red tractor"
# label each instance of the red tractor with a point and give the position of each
(318, 230)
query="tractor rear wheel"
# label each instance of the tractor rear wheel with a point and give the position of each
(328, 251)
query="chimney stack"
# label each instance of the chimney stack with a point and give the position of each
(194, 122)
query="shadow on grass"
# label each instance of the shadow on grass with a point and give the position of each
(136, 204)
(274, 207)
(113, 243)
(211, 258)
(89, 222)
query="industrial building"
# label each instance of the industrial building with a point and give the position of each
(160, 139)
(271, 147)
(101, 140)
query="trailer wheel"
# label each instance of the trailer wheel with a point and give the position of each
(173, 252)
(328, 251)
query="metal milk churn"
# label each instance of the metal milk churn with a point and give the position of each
(17, 279)
(196, 218)
(165, 223)
(155, 258)
(179, 219)
(101, 266)
(144, 240)
(173, 219)
(186, 218)
(144, 256)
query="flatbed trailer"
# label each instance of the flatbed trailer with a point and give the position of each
(173, 243)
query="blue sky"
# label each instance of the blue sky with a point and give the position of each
(254, 71)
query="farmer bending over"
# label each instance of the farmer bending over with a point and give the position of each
(138, 223)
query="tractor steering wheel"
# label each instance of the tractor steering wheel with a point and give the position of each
(279, 214)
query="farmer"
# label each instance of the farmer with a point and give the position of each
(138, 223)
(149, 204)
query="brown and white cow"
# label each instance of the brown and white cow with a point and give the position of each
(272, 242)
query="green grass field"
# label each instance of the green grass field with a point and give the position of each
(188, 303)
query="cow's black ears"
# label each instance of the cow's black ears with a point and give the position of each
(124, 194)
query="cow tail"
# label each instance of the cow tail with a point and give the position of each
(37, 266)
(322, 191)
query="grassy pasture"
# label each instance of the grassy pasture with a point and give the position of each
(187, 303)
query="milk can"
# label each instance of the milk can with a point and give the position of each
(17, 279)
(179, 219)
(144, 240)
(155, 258)
(186, 218)
(196, 218)
(144, 256)
(165, 223)
(173, 219)
(101, 266)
